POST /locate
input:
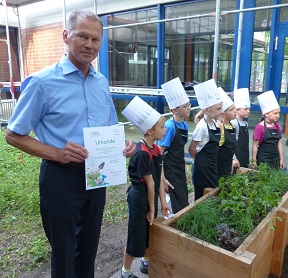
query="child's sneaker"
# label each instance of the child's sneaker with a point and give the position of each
(130, 276)
(143, 268)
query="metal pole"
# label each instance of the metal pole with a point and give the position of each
(238, 53)
(97, 58)
(9, 55)
(216, 40)
(64, 22)
(197, 16)
(20, 46)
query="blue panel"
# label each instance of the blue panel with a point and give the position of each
(160, 47)
(104, 50)
(246, 45)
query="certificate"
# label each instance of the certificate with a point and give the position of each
(106, 164)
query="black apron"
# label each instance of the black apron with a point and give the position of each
(205, 164)
(268, 151)
(242, 150)
(226, 152)
(174, 170)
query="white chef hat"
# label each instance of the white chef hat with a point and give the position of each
(207, 94)
(174, 93)
(141, 114)
(227, 101)
(267, 102)
(241, 98)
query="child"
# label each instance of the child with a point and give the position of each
(205, 138)
(227, 144)
(242, 104)
(145, 173)
(172, 145)
(267, 147)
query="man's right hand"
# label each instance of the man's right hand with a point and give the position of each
(72, 152)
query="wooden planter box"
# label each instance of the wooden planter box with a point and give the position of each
(176, 254)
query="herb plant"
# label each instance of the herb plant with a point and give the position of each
(244, 200)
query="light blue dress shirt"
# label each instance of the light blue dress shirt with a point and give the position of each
(58, 102)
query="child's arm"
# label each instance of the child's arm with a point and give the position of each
(280, 149)
(150, 195)
(255, 146)
(192, 148)
(166, 183)
(165, 208)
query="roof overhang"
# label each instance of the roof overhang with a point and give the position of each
(19, 3)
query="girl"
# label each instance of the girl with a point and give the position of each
(205, 138)
(267, 147)
(227, 144)
(242, 104)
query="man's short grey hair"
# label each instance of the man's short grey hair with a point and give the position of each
(73, 18)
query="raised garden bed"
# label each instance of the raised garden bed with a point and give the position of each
(175, 254)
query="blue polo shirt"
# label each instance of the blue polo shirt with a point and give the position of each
(171, 131)
(58, 102)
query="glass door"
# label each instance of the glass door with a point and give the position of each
(279, 81)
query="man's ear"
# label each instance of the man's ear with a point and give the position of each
(65, 36)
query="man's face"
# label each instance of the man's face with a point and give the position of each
(83, 42)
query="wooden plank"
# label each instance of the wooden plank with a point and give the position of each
(212, 260)
(280, 242)
(194, 255)
(164, 239)
(284, 203)
(161, 266)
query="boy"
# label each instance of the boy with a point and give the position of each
(144, 172)
(172, 145)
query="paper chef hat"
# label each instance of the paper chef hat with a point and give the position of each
(141, 114)
(174, 93)
(241, 98)
(267, 102)
(207, 94)
(227, 101)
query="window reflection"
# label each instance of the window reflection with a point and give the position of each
(191, 43)
(133, 49)
(261, 41)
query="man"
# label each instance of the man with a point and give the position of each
(57, 103)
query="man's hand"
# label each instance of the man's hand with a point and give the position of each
(129, 148)
(72, 152)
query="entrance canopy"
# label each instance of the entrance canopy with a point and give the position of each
(19, 3)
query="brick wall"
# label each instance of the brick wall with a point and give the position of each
(42, 46)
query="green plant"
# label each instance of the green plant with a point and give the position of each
(244, 200)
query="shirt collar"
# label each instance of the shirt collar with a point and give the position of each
(69, 67)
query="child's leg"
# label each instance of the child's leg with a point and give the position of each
(145, 262)
(127, 260)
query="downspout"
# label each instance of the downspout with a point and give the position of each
(216, 40)
(239, 41)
